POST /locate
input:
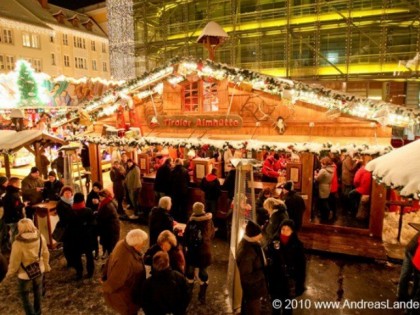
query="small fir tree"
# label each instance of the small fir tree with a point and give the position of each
(28, 87)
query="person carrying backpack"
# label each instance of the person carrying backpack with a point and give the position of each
(198, 236)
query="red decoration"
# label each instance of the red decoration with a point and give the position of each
(120, 124)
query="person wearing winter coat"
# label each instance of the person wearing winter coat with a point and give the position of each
(108, 225)
(287, 270)
(13, 207)
(117, 175)
(160, 219)
(212, 191)
(66, 216)
(52, 187)
(262, 214)
(278, 212)
(165, 292)
(44, 162)
(350, 165)
(168, 243)
(82, 234)
(92, 202)
(32, 187)
(324, 179)
(124, 274)
(295, 205)
(179, 183)
(198, 236)
(30, 246)
(58, 164)
(133, 183)
(227, 156)
(362, 183)
(270, 170)
(162, 181)
(251, 264)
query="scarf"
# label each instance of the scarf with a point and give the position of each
(105, 202)
(79, 205)
(68, 201)
(284, 239)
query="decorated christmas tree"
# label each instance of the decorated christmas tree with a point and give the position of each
(28, 86)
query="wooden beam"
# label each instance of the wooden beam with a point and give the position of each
(377, 209)
(95, 163)
(37, 149)
(307, 160)
(27, 147)
(7, 164)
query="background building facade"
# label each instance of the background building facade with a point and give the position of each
(55, 40)
(364, 47)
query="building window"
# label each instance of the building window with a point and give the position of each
(36, 63)
(94, 65)
(35, 41)
(30, 40)
(53, 59)
(52, 39)
(84, 43)
(26, 40)
(92, 45)
(191, 97)
(104, 67)
(65, 40)
(1, 62)
(80, 63)
(66, 61)
(7, 37)
(103, 48)
(210, 97)
(10, 62)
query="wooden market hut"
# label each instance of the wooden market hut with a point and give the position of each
(32, 140)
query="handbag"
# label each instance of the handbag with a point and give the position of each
(58, 233)
(34, 270)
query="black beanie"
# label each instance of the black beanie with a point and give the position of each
(289, 223)
(252, 229)
(78, 197)
(3, 179)
(288, 185)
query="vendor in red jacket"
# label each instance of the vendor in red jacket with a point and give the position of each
(362, 181)
(270, 169)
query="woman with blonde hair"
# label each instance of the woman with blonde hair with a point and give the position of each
(168, 243)
(108, 224)
(29, 250)
(278, 212)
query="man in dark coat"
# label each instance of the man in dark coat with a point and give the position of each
(179, 191)
(198, 236)
(165, 292)
(211, 187)
(160, 219)
(295, 205)
(13, 207)
(58, 164)
(84, 156)
(251, 264)
(117, 175)
(32, 186)
(162, 181)
(52, 187)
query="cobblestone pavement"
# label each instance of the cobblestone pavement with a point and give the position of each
(329, 279)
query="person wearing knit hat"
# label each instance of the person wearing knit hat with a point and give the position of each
(3, 181)
(251, 264)
(65, 216)
(278, 212)
(287, 271)
(198, 236)
(81, 234)
(294, 203)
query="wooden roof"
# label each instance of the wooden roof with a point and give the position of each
(11, 141)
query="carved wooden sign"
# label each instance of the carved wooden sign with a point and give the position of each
(196, 121)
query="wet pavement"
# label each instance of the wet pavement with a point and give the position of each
(329, 278)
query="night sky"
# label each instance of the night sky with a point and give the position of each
(74, 4)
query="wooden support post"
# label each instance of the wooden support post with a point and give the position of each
(307, 160)
(37, 150)
(377, 209)
(95, 163)
(7, 165)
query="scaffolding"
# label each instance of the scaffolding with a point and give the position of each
(336, 40)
